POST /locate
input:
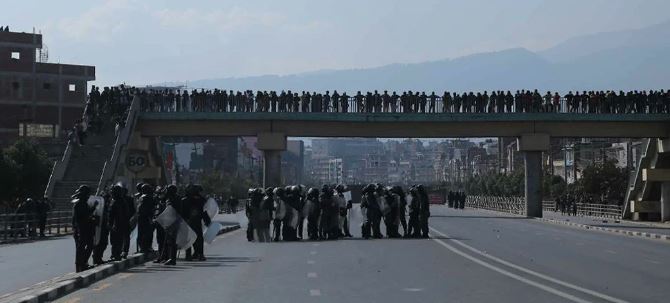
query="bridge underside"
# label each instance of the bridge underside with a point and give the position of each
(532, 130)
(403, 125)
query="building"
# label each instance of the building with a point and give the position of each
(38, 99)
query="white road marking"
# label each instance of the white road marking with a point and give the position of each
(580, 244)
(652, 261)
(311, 262)
(312, 252)
(315, 244)
(610, 251)
(314, 292)
(311, 275)
(522, 269)
(412, 289)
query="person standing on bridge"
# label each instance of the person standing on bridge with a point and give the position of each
(83, 225)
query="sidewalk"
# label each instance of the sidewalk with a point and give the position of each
(625, 225)
(25, 264)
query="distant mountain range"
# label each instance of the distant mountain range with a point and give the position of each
(632, 59)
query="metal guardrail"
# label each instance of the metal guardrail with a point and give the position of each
(587, 209)
(16, 227)
(517, 205)
(513, 205)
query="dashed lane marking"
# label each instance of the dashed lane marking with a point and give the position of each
(73, 300)
(653, 261)
(312, 252)
(314, 292)
(102, 286)
(311, 262)
(315, 244)
(609, 251)
(311, 275)
(522, 269)
(412, 289)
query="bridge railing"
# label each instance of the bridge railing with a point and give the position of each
(354, 105)
(16, 227)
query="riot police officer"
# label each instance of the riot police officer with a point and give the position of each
(119, 220)
(83, 225)
(145, 213)
(424, 210)
(194, 204)
(170, 247)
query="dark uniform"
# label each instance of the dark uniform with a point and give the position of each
(103, 240)
(195, 214)
(83, 225)
(373, 214)
(145, 213)
(424, 210)
(119, 221)
(170, 250)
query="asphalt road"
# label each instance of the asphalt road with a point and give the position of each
(25, 264)
(473, 256)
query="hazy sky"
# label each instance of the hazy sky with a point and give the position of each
(150, 41)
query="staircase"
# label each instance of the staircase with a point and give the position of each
(643, 198)
(93, 164)
(85, 165)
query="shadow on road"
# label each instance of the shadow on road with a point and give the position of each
(479, 217)
(212, 261)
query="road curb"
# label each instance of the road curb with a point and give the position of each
(636, 234)
(72, 282)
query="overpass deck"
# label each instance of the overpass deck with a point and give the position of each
(416, 125)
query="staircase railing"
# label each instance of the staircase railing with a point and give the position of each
(122, 140)
(60, 166)
(636, 183)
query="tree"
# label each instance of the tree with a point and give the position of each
(604, 181)
(24, 172)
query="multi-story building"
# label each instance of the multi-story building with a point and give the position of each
(38, 99)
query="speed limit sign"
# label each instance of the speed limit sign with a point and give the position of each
(136, 161)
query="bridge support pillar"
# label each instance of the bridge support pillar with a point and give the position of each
(665, 201)
(532, 145)
(272, 144)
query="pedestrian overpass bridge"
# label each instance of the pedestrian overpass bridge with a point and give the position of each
(404, 125)
(143, 131)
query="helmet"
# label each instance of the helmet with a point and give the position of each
(147, 189)
(138, 186)
(83, 190)
(171, 190)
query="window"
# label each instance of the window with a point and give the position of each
(72, 87)
(46, 85)
(16, 55)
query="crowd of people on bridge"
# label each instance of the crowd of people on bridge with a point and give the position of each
(327, 211)
(110, 219)
(521, 101)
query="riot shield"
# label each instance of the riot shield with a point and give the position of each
(211, 232)
(99, 212)
(170, 220)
